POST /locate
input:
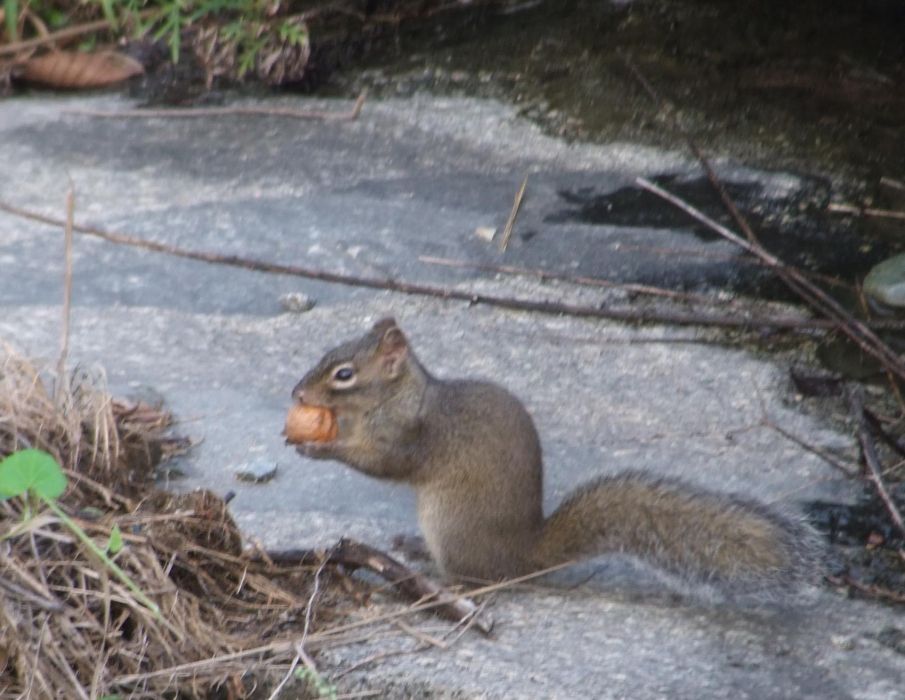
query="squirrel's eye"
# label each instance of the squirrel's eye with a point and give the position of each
(344, 374)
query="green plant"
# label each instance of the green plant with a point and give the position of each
(247, 33)
(316, 681)
(11, 15)
(36, 478)
(249, 25)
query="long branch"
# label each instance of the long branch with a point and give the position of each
(813, 295)
(389, 284)
(874, 472)
(856, 330)
(63, 35)
(196, 112)
(410, 583)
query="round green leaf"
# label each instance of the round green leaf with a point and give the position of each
(31, 470)
(115, 543)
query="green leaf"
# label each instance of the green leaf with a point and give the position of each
(109, 14)
(11, 12)
(31, 470)
(115, 543)
(102, 555)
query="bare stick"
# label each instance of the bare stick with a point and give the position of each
(301, 654)
(63, 35)
(379, 656)
(872, 461)
(880, 430)
(573, 279)
(893, 184)
(669, 109)
(421, 636)
(200, 112)
(857, 331)
(427, 643)
(867, 589)
(412, 584)
(808, 447)
(510, 222)
(38, 601)
(866, 211)
(67, 284)
(389, 284)
(813, 295)
(325, 636)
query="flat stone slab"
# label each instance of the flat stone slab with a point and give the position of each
(413, 178)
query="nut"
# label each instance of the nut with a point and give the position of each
(306, 423)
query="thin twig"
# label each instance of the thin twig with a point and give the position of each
(813, 449)
(318, 638)
(880, 430)
(379, 656)
(389, 284)
(67, 285)
(63, 35)
(420, 636)
(38, 601)
(866, 211)
(874, 468)
(873, 591)
(200, 112)
(856, 330)
(408, 582)
(510, 222)
(794, 279)
(668, 108)
(301, 654)
(893, 184)
(309, 608)
(572, 279)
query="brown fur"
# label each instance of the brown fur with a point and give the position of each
(472, 454)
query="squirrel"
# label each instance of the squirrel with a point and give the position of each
(472, 454)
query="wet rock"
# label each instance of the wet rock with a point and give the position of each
(885, 283)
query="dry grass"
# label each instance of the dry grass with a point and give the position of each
(67, 629)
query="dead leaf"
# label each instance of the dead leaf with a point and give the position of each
(73, 69)
(874, 540)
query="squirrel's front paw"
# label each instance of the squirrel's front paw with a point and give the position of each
(317, 450)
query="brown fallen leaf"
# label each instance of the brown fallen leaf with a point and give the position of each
(74, 69)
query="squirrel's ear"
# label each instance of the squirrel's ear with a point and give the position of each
(383, 325)
(392, 348)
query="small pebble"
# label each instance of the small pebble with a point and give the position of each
(257, 471)
(485, 233)
(843, 642)
(297, 303)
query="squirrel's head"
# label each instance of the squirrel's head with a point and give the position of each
(359, 373)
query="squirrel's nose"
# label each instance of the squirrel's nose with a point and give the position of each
(298, 393)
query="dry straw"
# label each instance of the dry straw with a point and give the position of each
(67, 628)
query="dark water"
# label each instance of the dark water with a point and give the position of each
(817, 83)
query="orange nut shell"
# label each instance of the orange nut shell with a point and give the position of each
(306, 423)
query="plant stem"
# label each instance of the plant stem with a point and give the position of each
(102, 555)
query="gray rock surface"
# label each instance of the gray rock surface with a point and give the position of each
(410, 178)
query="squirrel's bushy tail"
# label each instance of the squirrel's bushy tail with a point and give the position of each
(738, 546)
